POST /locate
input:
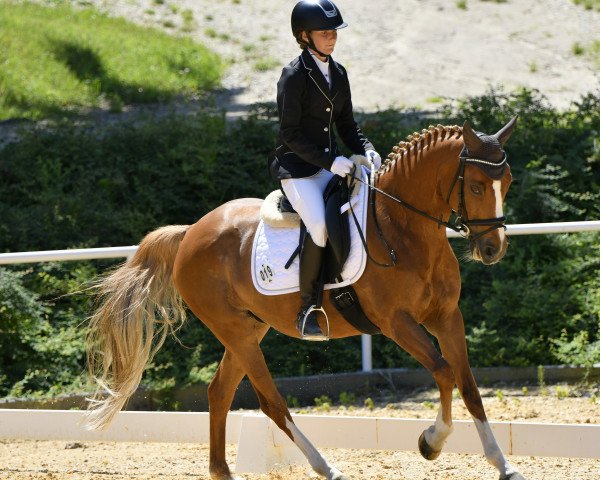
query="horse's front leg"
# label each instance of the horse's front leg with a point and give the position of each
(450, 332)
(407, 333)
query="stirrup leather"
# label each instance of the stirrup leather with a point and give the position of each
(315, 338)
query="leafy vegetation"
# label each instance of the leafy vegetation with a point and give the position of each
(66, 186)
(58, 60)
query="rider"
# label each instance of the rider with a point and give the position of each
(313, 95)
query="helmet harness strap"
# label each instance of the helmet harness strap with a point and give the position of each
(311, 45)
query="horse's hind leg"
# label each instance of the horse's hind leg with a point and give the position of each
(220, 396)
(407, 333)
(274, 406)
(238, 336)
(238, 333)
(451, 336)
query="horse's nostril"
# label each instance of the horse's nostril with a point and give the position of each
(489, 251)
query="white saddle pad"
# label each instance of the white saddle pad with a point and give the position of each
(273, 247)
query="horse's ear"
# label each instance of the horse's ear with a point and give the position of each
(472, 141)
(506, 131)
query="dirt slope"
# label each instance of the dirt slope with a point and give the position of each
(398, 53)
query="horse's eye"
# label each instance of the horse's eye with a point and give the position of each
(476, 189)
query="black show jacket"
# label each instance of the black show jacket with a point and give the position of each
(308, 109)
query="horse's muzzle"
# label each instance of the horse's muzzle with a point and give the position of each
(489, 250)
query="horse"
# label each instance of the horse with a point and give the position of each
(441, 172)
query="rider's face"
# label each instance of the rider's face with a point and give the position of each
(324, 40)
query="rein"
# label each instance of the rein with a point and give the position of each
(457, 221)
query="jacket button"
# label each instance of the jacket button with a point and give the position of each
(328, 109)
(326, 150)
(326, 129)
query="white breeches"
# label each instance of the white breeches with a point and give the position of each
(306, 196)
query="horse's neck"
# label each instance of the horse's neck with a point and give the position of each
(417, 176)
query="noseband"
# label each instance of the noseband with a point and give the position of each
(457, 221)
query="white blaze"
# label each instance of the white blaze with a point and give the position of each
(497, 185)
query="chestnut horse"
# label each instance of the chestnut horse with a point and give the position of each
(207, 266)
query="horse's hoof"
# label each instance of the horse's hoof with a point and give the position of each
(224, 476)
(338, 476)
(512, 476)
(428, 452)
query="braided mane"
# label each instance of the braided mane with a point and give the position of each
(416, 142)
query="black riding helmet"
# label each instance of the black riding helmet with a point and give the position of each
(309, 15)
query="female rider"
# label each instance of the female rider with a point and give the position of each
(313, 95)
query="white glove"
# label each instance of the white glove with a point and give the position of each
(374, 157)
(342, 166)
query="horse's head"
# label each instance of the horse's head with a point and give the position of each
(487, 178)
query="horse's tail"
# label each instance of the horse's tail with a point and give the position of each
(138, 307)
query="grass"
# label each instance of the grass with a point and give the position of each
(212, 33)
(189, 24)
(435, 99)
(323, 403)
(594, 52)
(562, 392)
(588, 4)
(266, 63)
(58, 60)
(462, 4)
(577, 49)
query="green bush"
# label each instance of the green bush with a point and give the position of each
(63, 186)
(41, 339)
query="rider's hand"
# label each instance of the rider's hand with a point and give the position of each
(374, 157)
(342, 166)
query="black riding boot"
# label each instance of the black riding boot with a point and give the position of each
(311, 282)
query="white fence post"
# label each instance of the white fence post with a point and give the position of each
(367, 353)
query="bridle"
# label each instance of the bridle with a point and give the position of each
(457, 220)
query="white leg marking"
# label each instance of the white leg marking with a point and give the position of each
(316, 460)
(437, 434)
(496, 185)
(492, 451)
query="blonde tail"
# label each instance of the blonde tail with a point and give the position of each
(139, 306)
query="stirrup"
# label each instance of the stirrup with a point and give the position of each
(314, 338)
